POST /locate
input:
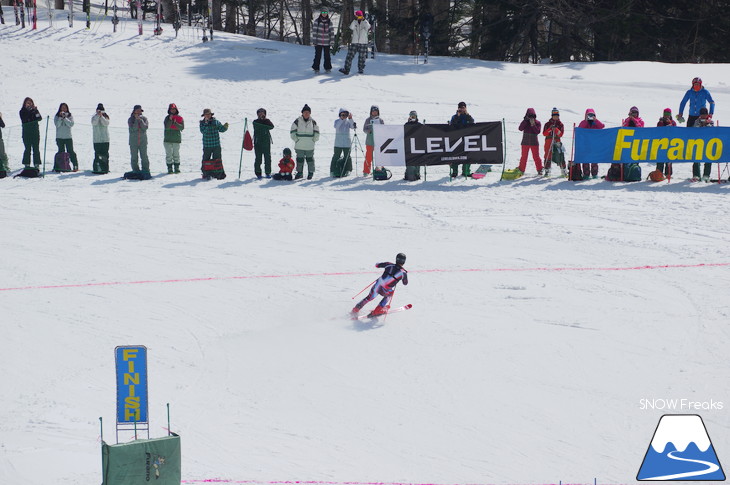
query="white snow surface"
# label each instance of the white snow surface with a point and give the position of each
(543, 310)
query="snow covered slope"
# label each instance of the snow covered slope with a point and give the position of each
(544, 311)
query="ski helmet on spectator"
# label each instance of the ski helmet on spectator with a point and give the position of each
(400, 259)
(697, 83)
(697, 80)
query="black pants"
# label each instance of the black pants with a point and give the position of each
(318, 55)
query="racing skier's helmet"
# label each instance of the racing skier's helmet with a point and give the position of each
(400, 259)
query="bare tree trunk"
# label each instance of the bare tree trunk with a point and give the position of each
(382, 26)
(281, 20)
(216, 15)
(306, 22)
(231, 17)
(168, 11)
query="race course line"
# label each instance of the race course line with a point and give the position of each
(307, 275)
(317, 482)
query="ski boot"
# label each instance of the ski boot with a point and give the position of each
(169, 169)
(176, 167)
(379, 310)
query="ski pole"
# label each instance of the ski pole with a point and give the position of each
(368, 286)
(243, 140)
(45, 144)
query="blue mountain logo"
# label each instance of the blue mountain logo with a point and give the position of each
(681, 450)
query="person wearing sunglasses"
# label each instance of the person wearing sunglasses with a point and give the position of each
(359, 44)
(698, 98)
(323, 36)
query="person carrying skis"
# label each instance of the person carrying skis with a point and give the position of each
(374, 118)
(530, 128)
(138, 126)
(100, 137)
(343, 125)
(666, 120)
(174, 125)
(305, 133)
(593, 123)
(323, 36)
(30, 119)
(698, 97)
(262, 127)
(358, 44)
(553, 130)
(384, 286)
(461, 119)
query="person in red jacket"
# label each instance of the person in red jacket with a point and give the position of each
(530, 128)
(553, 130)
(286, 166)
(666, 120)
(591, 122)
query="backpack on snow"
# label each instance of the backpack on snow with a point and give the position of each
(656, 176)
(213, 169)
(340, 167)
(381, 173)
(29, 172)
(614, 173)
(632, 173)
(575, 172)
(413, 172)
(62, 162)
(137, 175)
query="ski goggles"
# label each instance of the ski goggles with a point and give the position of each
(345, 114)
(325, 12)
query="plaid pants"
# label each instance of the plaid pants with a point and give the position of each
(362, 51)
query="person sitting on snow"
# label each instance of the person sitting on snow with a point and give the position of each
(286, 166)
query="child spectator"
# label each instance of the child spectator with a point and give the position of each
(590, 122)
(530, 128)
(666, 120)
(286, 166)
(704, 120)
(553, 130)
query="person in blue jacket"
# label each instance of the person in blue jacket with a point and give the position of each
(698, 97)
(461, 119)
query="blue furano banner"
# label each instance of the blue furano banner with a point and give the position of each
(666, 144)
(131, 365)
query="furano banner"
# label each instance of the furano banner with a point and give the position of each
(666, 144)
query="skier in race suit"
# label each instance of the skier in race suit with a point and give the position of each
(385, 285)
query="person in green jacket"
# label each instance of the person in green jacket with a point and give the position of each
(100, 133)
(174, 125)
(305, 133)
(262, 127)
(31, 118)
(138, 125)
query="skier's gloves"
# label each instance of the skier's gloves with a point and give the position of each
(225, 125)
(680, 118)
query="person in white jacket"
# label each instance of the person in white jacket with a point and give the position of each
(305, 133)
(100, 132)
(359, 43)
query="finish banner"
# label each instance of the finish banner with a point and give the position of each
(665, 144)
(417, 144)
(131, 366)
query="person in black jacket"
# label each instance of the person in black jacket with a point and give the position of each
(4, 168)
(31, 119)
(262, 127)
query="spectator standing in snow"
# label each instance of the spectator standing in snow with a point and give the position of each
(100, 137)
(305, 133)
(31, 118)
(698, 98)
(286, 166)
(358, 44)
(592, 123)
(553, 131)
(138, 126)
(262, 127)
(530, 128)
(174, 125)
(323, 36)
(666, 120)
(64, 121)
(634, 120)
(413, 172)
(704, 120)
(343, 125)
(211, 129)
(371, 120)
(4, 167)
(461, 119)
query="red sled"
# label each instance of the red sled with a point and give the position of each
(212, 165)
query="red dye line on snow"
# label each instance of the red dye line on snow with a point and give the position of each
(315, 482)
(307, 275)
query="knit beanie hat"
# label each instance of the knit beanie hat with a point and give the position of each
(461, 105)
(260, 110)
(634, 109)
(668, 112)
(554, 112)
(100, 107)
(306, 108)
(358, 13)
(703, 111)
(171, 107)
(413, 115)
(287, 152)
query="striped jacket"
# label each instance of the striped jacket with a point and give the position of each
(322, 32)
(305, 133)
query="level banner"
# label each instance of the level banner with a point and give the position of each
(665, 144)
(131, 367)
(418, 144)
